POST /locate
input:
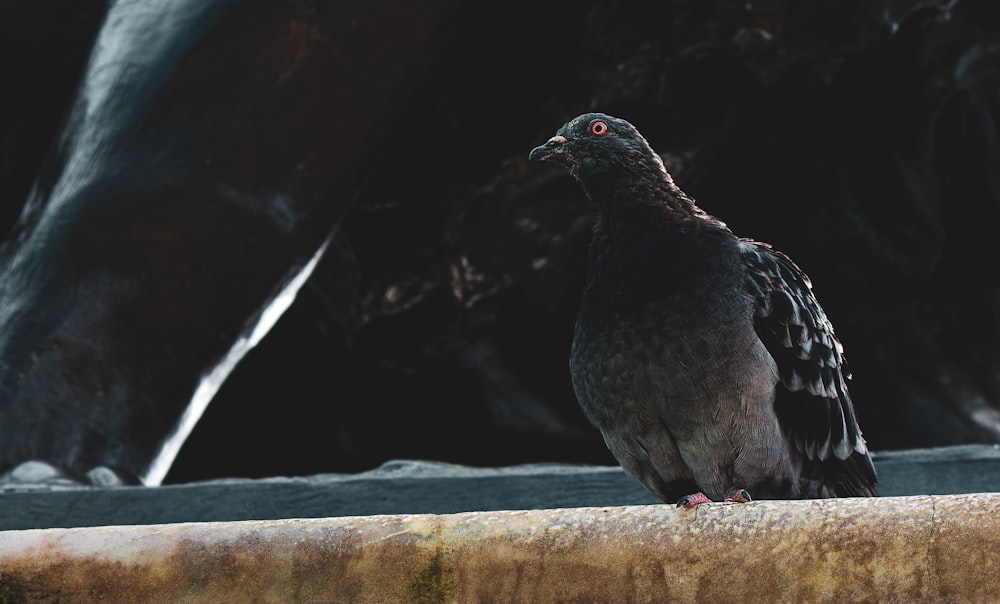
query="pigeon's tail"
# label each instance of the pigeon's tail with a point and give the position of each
(854, 476)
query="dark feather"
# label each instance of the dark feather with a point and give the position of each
(812, 400)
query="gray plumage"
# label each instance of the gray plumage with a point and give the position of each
(703, 358)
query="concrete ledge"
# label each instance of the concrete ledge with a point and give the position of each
(892, 549)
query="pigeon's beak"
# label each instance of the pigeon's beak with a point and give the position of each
(553, 147)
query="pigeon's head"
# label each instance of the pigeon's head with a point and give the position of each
(593, 143)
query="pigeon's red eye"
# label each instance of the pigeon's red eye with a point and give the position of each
(598, 127)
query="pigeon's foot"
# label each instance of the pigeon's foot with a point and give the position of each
(689, 501)
(739, 496)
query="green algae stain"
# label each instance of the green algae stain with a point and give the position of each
(11, 593)
(434, 583)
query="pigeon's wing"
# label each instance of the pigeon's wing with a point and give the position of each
(811, 401)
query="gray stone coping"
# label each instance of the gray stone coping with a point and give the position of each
(420, 487)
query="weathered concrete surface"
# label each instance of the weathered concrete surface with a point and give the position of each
(897, 549)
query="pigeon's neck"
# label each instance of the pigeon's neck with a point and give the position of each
(643, 193)
(651, 241)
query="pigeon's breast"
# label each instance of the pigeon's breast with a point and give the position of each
(672, 334)
(660, 356)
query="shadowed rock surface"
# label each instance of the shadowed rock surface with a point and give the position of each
(209, 153)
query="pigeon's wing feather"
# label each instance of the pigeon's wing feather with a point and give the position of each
(811, 401)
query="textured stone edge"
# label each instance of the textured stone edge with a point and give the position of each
(926, 548)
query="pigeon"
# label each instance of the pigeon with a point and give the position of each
(703, 358)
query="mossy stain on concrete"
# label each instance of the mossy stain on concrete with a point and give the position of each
(434, 583)
(11, 592)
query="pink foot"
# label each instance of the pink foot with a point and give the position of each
(739, 496)
(689, 501)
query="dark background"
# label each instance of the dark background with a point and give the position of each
(859, 137)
